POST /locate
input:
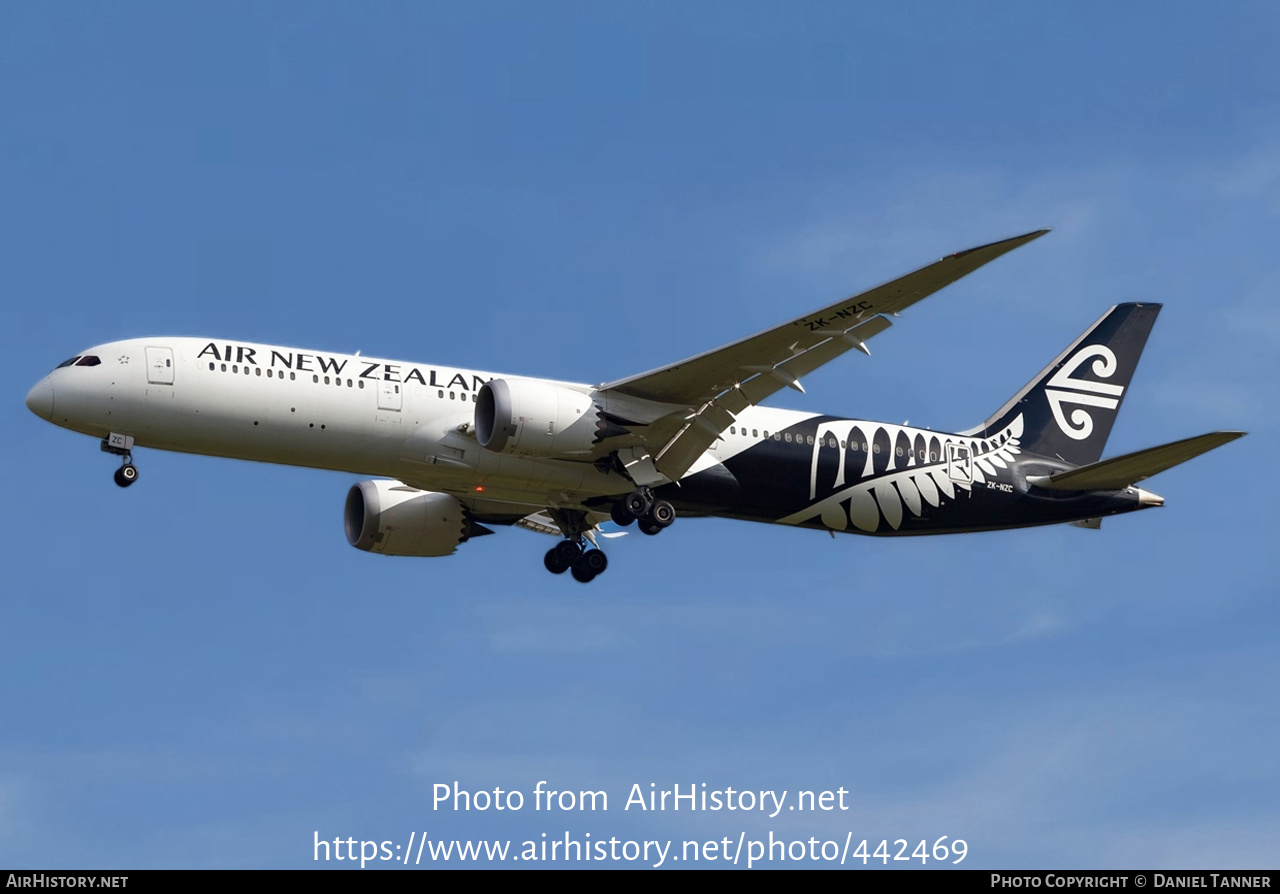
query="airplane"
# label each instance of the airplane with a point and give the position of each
(453, 451)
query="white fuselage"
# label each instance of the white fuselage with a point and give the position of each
(363, 415)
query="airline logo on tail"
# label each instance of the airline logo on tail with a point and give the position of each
(1083, 392)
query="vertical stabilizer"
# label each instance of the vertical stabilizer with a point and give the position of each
(1068, 409)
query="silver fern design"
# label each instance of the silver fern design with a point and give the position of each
(1083, 392)
(899, 470)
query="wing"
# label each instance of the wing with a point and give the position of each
(712, 388)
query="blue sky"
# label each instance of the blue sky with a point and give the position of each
(200, 672)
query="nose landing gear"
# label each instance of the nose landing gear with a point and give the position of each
(121, 446)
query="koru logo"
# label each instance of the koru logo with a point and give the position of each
(1083, 392)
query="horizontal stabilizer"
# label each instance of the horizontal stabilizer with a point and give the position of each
(1119, 473)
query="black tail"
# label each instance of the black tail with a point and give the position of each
(1067, 411)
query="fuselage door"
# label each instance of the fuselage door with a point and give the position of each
(959, 462)
(160, 366)
(389, 396)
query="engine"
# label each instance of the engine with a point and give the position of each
(529, 417)
(397, 520)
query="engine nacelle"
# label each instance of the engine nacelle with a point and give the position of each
(397, 520)
(529, 417)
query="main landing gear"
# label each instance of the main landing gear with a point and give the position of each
(121, 446)
(575, 553)
(641, 506)
(569, 555)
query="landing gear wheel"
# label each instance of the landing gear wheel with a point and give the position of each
(593, 561)
(621, 515)
(637, 503)
(588, 565)
(650, 527)
(126, 474)
(564, 555)
(552, 562)
(662, 514)
(567, 552)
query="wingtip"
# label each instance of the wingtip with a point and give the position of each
(1003, 245)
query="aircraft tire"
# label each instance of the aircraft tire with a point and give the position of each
(594, 561)
(582, 575)
(552, 562)
(650, 527)
(126, 475)
(567, 552)
(621, 515)
(663, 513)
(637, 504)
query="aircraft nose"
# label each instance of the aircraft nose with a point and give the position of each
(40, 399)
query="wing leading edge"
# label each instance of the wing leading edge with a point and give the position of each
(715, 386)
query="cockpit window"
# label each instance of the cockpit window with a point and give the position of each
(67, 362)
(88, 360)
